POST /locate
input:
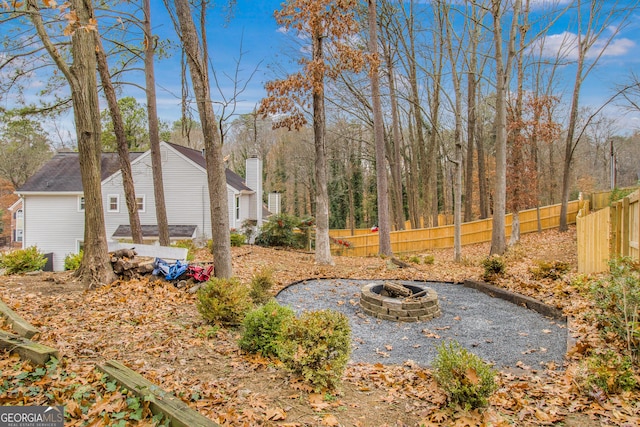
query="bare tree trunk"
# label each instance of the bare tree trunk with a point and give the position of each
(154, 134)
(95, 268)
(384, 223)
(503, 68)
(323, 249)
(457, 187)
(123, 146)
(216, 178)
(396, 156)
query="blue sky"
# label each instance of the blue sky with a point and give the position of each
(253, 25)
(253, 30)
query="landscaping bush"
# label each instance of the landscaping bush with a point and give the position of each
(316, 346)
(224, 301)
(618, 297)
(429, 259)
(23, 260)
(494, 267)
(263, 328)
(261, 283)
(605, 373)
(467, 380)
(553, 270)
(414, 259)
(237, 239)
(278, 230)
(72, 261)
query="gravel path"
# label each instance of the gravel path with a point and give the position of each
(494, 329)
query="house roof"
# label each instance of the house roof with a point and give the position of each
(62, 173)
(176, 231)
(196, 156)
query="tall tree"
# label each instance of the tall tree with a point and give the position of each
(122, 144)
(503, 69)
(133, 117)
(594, 18)
(382, 186)
(323, 21)
(95, 268)
(196, 50)
(24, 147)
(154, 132)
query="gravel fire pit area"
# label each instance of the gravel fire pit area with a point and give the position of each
(499, 331)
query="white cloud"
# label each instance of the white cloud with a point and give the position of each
(565, 45)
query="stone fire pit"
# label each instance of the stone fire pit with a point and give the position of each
(378, 302)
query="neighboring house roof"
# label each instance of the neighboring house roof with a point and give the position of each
(196, 156)
(176, 231)
(62, 173)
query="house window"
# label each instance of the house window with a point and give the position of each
(140, 202)
(19, 235)
(113, 202)
(19, 214)
(81, 204)
(237, 207)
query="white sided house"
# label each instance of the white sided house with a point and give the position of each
(53, 200)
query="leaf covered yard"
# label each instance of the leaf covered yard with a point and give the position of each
(155, 329)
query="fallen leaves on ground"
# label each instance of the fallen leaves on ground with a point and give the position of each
(155, 329)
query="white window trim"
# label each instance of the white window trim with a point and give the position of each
(237, 208)
(144, 203)
(79, 245)
(80, 203)
(117, 197)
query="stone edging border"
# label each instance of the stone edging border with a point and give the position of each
(515, 298)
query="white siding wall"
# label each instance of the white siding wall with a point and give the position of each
(186, 194)
(54, 225)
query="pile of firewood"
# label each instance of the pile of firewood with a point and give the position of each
(127, 267)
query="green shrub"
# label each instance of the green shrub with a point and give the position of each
(607, 373)
(466, 379)
(429, 259)
(279, 230)
(261, 283)
(224, 301)
(186, 244)
(23, 260)
(415, 259)
(263, 328)
(494, 267)
(237, 239)
(618, 297)
(72, 261)
(619, 193)
(316, 347)
(553, 270)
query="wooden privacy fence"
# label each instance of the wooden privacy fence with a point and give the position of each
(609, 233)
(365, 243)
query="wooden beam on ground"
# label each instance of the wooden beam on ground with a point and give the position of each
(27, 349)
(178, 412)
(17, 323)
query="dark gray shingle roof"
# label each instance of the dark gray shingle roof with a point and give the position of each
(62, 173)
(175, 231)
